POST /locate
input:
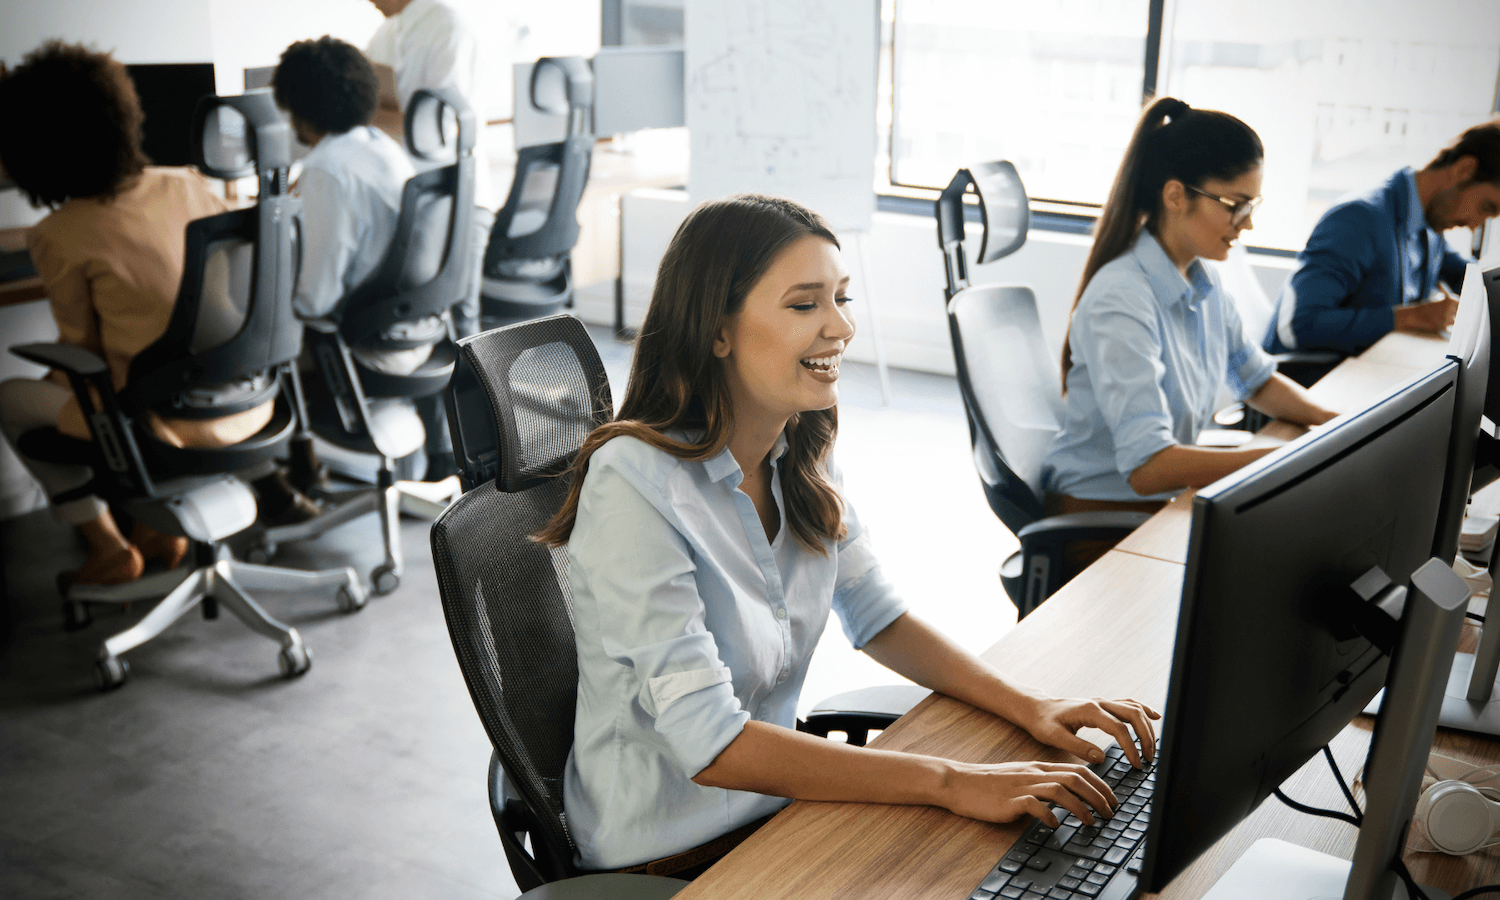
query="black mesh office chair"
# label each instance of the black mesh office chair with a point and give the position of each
(226, 349)
(404, 304)
(1010, 386)
(522, 400)
(528, 268)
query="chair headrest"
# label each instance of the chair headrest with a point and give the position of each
(238, 136)
(564, 85)
(1003, 208)
(522, 400)
(440, 124)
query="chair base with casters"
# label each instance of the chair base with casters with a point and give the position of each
(207, 511)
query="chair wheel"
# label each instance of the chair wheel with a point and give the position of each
(110, 672)
(76, 615)
(351, 599)
(384, 579)
(294, 659)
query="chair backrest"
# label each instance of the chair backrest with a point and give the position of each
(427, 267)
(522, 400)
(539, 220)
(232, 323)
(1011, 393)
(1004, 212)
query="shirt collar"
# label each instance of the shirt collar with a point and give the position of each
(1166, 282)
(723, 466)
(1416, 217)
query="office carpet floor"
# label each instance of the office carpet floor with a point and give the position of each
(208, 776)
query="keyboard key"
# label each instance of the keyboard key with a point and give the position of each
(1078, 872)
(1105, 869)
(981, 894)
(1041, 865)
(1058, 893)
(1009, 865)
(1096, 878)
(1088, 852)
(1069, 883)
(1020, 881)
(1089, 890)
(1114, 855)
(1033, 895)
(1012, 892)
(1061, 837)
(995, 881)
(1086, 864)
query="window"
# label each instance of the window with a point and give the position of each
(1342, 93)
(1054, 86)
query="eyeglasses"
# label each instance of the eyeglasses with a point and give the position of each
(1239, 210)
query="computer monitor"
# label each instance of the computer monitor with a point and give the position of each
(1472, 700)
(1284, 632)
(169, 96)
(637, 88)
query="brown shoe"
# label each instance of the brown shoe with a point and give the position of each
(280, 503)
(117, 568)
(169, 549)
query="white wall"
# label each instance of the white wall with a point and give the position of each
(906, 273)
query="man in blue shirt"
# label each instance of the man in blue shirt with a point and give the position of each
(1373, 260)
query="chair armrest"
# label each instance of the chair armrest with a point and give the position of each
(1087, 526)
(68, 358)
(106, 420)
(1309, 357)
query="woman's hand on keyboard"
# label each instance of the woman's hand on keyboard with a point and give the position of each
(1056, 722)
(1005, 792)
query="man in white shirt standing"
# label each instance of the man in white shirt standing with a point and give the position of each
(426, 44)
(351, 186)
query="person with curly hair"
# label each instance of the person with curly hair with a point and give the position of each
(110, 255)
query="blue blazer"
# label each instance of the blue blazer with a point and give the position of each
(1353, 272)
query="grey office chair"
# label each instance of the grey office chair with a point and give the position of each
(227, 349)
(522, 400)
(404, 304)
(528, 267)
(1011, 391)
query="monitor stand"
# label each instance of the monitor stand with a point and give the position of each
(1467, 705)
(1276, 870)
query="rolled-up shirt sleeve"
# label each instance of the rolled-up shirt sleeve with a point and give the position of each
(1248, 366)
(640, 572)
(864, 600)
(1121, 346)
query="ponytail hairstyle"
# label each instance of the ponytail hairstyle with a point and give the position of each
(676, 383)
(1172, 142)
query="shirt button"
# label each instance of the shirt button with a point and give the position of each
(781, 612)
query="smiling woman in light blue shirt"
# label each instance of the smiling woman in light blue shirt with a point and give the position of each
(1153, 338)
(708, 539)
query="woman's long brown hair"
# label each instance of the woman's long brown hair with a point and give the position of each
(1172, 141)
(677, 384)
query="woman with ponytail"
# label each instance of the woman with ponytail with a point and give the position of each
(1153, 338)
(707, 540)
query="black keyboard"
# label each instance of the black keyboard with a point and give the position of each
(1076, 861)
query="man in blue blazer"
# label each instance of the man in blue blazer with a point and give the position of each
(1373, 260)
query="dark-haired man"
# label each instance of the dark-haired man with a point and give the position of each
(351, 186)
(1373, 260)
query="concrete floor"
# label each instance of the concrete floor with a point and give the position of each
(207, 775)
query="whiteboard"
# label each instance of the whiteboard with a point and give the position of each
(781, 100)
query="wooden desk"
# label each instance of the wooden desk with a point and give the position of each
(1109, 632)
(22, 290)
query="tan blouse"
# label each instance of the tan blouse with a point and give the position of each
(112, 270)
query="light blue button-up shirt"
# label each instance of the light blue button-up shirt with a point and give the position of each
(1151, 350)
(689, 624)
